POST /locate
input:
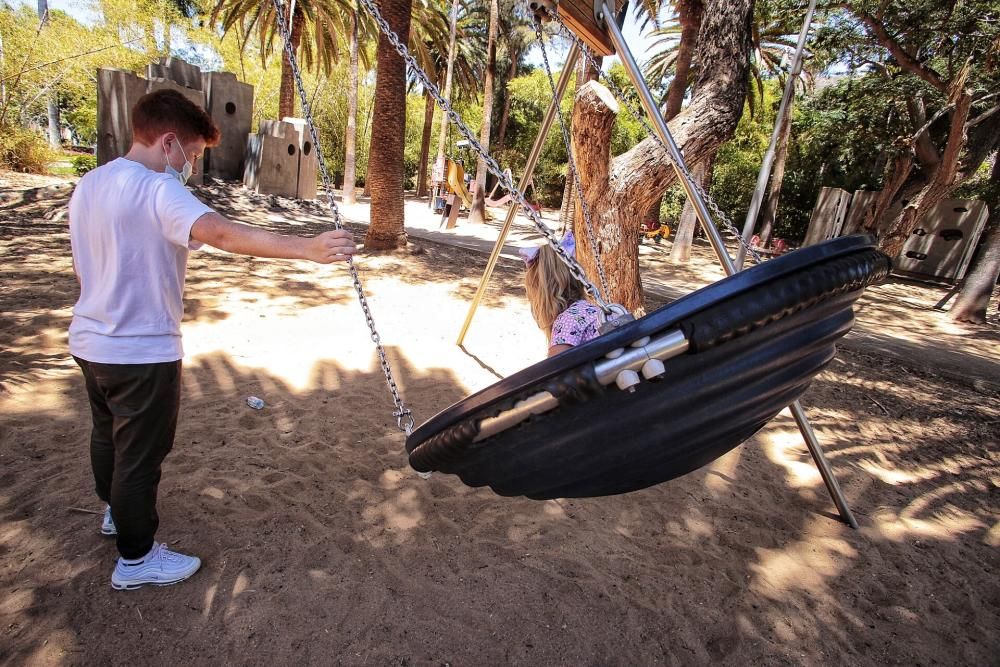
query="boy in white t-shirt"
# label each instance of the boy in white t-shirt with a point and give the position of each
(132, 222)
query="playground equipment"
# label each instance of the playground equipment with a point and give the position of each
(590, 421)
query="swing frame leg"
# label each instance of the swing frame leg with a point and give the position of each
(715, 237)
(529, 170)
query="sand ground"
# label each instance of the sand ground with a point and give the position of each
(320, 546)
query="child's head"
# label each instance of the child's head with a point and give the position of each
(550, 286)
(169, 112)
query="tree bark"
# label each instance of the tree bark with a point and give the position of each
(680, 251)
(425, 144)
(943, 180)
(478, 212)
(55, 141)
(286, 90)
(689, 14)
(777, 179)
(443, 138)
(351, 135)
(505, 113)
(981, 280)
(385, 163)
(619, 191)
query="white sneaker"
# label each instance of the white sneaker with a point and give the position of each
(107, 525)
(160, 567)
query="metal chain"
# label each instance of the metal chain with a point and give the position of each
(404, 418)
(713, 207)
(491, 164)
(571, 164)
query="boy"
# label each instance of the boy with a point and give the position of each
(132, 222)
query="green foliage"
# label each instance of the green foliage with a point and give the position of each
(84, 163)
(24, 150)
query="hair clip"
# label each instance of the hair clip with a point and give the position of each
(568, 243)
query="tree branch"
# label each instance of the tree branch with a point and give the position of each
(902, 56)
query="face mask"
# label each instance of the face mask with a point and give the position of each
(185, 173)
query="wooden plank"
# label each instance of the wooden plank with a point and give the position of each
(578, 15)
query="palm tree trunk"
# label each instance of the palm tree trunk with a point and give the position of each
(680, 252)
(478, 212)
(689, 13)
(350, 137)
(425, 144)
(443, 138)
(505, 114)
(286, 91)
(777, 178)
(385, 162)
(567, 209)
(53, 103)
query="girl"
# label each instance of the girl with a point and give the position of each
(557, 299)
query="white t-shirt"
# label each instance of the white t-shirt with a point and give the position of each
(130, 228)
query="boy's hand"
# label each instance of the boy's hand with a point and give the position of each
(328, 247)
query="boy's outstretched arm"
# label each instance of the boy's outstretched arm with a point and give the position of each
(218, 232)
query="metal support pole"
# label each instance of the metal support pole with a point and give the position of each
(529, 169)
(712, 232)
(768, 164)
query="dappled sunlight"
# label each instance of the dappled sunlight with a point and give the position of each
(785, 447)
(802, 566)
(318, 539)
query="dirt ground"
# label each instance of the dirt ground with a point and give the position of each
(320, 545)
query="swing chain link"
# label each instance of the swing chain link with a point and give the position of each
(571, 163)
(491, 164)
(403, 415)
(633, 110)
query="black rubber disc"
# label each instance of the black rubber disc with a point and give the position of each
(757, 339)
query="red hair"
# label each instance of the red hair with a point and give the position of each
(167, 110)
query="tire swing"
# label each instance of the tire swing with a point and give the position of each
(591, 421)
(663, 395)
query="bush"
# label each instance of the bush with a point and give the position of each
(84, 163)
(24, 151)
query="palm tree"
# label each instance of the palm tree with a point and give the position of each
(316, 27)
(467, 65)
(350, 136)
(385, 164)
(772, 40)
(478, 212)
(517, 36)
(429, 33)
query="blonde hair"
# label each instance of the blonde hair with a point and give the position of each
(551, 288)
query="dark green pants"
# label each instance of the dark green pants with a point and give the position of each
(134, 409)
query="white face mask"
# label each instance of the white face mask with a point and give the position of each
(185, 173)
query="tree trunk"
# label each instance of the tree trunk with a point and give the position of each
(619, 191)
(777, 178)
(286, 91)
(505, 113)
(478, 212)
(689, 13)
(351, 135)
(680, 251)
(567, 206)
(55, 141)
(981, 280)
(943, 180)
(425, 144)
(443, 138)
(385, 163)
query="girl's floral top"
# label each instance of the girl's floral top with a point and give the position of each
(576, 325)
